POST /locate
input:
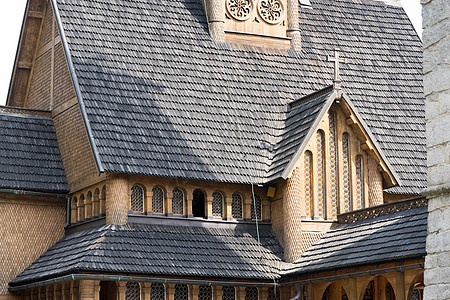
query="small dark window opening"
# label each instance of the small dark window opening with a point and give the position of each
(198, 204)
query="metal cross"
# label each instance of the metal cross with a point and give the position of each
(336, 59)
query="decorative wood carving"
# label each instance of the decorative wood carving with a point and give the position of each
(239, 9)
(271, 11)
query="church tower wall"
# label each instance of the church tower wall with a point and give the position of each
(436, 67)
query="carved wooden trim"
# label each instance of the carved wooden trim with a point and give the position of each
(381, 210)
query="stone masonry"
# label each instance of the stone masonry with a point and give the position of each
(436, 40)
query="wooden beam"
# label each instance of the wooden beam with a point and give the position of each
(25, 65)
(35, 14)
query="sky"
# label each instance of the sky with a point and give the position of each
(11, 18)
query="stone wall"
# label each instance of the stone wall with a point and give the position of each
(436, 40)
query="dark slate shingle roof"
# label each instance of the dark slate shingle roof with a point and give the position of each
(29, 154)
(159, 250)
(390, 237)
(163, 99)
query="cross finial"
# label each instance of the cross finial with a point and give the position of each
(336, 59)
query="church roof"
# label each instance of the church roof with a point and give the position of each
(391, 237)
(160, 250)
(29, 154)
(163, 99)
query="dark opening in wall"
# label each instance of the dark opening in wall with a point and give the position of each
(198, 204)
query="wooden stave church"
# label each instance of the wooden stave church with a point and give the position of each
(62, 42)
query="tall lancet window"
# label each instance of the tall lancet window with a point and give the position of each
(321, 206)
(133, 291)
(229, 293)
(137, 198)
(236, 206)
(334, 180)
(157, 292)
(308, 184)
(181, 292)
(346, 175)
(158, 200)
(359, 182)
(205, 292)
(217, 204)
(177, 202)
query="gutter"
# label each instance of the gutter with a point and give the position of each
(29, 193)
(94, 149)
(137, 279)
(372, 273)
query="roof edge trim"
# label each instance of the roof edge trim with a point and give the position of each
(287, 172)
(94, 149)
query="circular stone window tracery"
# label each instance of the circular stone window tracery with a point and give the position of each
(271, 11)
(240, 9)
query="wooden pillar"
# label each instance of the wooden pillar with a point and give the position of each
(121, 290)
(208, 207)
(400, 286)
(240, 293)
(228, 208)
(146, 289)
(49, 292)
(352, 292)
(74, 290)
(189, 199)
(193, 292)
(169, 211)
(117, 204)
(57, 293)
(265, 210)
(170, 291)
(90, 290)
(285, 293)
(263, 293)
(80, 210)
(217, 292)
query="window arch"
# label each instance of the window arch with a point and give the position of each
(359, 164)
(217, 204)
(321, 198)
(80, 208)
(96, 203)
(137, 198)
(88, 205)
(157, 200)
(198, 203)
(307, 165)
(74, 210)
(157, 292)
(103, 201)
(229, 293)
(236, 206)
(181, 292)
(256, 210)
(346, 175)
(204, 292)
(177, 202)
(334, 174)
(133, 291)
(251, 293)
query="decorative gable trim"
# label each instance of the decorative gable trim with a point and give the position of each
(355, 121)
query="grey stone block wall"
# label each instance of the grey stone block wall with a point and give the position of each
(436, 68)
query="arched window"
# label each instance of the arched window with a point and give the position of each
(80, 208)
(96, 203)
(157, 292)
(198, 204)
(103, 201)
(158, 200)
(217, 205)
(359, 182)
(229, 293)
(73, 212)
(236, 206)
(321, 198)
(181, 292)
(389, 292)
(274, 294)
(204, 292)
(251, 293)
(307, 164)
(133, 291)
(346, 175)
(334, 177)
(256, 210)
(178, 202)
(88, 206)
(137, 198)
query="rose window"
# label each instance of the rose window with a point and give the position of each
(271, 11)
(240, 9)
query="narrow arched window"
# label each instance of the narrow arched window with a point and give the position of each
(346, 174)
(157, 200)
(96, 203)
(251, 293)
(217, 205)
(229, 293)
(359, 164)
(88, 205)
(73, 211)
(307, 165)
(178, 202)
(204, 292)
(334, 175)
(236, 206)
(157, 292)
(256, 208)
(137, 198)
(103, 201)
(80, 208)
(181, 292)
(321, 198)
(133, 291)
